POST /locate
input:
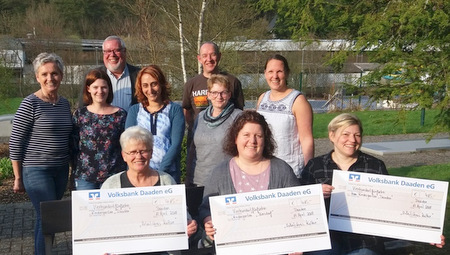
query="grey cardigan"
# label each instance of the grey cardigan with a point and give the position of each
(220, 182)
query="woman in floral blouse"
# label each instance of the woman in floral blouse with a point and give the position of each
(97, 129)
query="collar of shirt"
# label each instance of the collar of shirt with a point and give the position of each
(124, 74)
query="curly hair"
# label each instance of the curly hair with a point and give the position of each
(249, 116)
(156, 72)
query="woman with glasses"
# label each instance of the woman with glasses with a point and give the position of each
(137, 148)
(162, 117)
(97, 128)
(209, 130)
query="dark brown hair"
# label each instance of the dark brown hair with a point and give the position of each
(249, 116)
(91, 77)
(158, 74)
(287, 70)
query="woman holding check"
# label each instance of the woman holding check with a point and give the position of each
(137, 149)
(345, 133)
(252, 167)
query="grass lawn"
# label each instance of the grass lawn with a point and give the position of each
(384, 122)
(435, 172)
(9, 105)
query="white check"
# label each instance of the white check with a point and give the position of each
(130, 220)
(271, 222)
(389, 206)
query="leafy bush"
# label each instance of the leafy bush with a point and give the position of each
(6, 170)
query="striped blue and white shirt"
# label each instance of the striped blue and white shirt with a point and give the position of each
(41, 132)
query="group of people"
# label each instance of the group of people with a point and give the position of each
(127, 132)
(47, 137)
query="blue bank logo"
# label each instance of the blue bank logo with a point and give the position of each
(94, 195)
(230, 200)
(354, 177)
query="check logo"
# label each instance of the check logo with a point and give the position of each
(354, 177)
(94, 195)
(230, 200)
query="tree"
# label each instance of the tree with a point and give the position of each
(87, 18)
(168, 33)
(410, 37)
(200, 32)
(6, 82)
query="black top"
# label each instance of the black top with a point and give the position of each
(320, 170)
(125, 182)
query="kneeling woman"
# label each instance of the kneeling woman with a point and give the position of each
(137, 144)
(252, 167)
(345, 133)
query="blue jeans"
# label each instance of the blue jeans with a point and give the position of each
(84, 185)
(43, 183)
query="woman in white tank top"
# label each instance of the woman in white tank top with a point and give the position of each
(289, 115)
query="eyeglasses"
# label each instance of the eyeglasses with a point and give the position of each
(109, 52)
(135, 153)
(214, 94)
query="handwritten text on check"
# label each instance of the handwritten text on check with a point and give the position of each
(390, 206)
(270, 222)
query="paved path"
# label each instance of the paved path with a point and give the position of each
(382, 148)
(5, 127)
(16, 231)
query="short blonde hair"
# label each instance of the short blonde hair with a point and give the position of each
(344, 120)
(219, 79)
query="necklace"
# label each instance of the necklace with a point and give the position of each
(52, 100)
(153, 110)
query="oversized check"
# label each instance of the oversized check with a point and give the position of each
(129, 220)
(270, 222)
(389, 206)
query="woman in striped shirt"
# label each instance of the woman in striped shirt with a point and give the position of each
(39, 142)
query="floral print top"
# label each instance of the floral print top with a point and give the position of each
(96, 141)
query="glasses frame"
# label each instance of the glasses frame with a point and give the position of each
(215, 94)
(135, 153)
(114, 51)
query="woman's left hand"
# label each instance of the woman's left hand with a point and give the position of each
(440, 245)
(18, 186)
(191, 227)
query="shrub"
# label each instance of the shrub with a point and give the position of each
(6, 169)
